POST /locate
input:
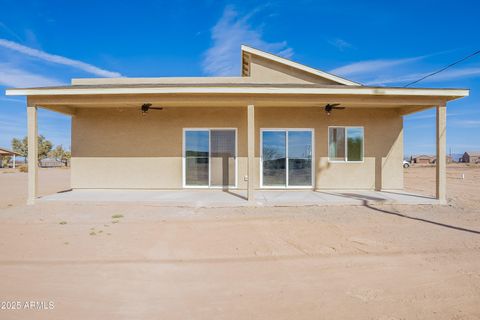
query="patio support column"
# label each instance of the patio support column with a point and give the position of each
(251, 150)
(14, 161)
(441, 162)
(32, 154)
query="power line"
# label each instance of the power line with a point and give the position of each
(443, 69)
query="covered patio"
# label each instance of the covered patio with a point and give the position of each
(119, 145)
(405, 101)
(238, 198)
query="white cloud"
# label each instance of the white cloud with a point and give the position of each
(431, 115)
(447, 75)
(369, 67)
(456, 74)
(231, 31)
(388, 79)
(400, 71)
(42, 55)
(12, 76)
(341, 44)
(12, 100)
(467, 123)
(9, 31)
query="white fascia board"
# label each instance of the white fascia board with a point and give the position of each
(242, 90)
(299, 66)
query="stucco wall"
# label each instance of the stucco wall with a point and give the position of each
(264, 70)
(120, 148)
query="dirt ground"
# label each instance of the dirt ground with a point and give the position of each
(146, 262)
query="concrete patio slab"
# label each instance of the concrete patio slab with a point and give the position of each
(236, 198)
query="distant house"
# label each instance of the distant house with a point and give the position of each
(449, 159)
(51, 163)
(423, 159)
(8, 153)
(471, 157)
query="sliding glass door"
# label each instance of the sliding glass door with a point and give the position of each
(197, 157)
(287, 157)
(222, 158)
(299, 158)
(274, 158)
(210, 157)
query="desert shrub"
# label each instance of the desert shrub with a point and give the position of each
(23, 168)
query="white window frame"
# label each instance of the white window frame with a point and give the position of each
(346, 145)
(209, 186)
(286, 130)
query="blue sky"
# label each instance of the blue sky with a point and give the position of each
(376, 43)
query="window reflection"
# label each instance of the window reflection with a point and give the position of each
(355, 144)
(299, 158)
(196, 158)
(287, 152)
(336, 144)
(274, 162)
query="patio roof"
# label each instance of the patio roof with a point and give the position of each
(237, 88)
(66, 99)
(4, 151)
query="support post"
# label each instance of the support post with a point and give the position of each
(14, 161)
(441, 162)
(251, 150)
(32, 154)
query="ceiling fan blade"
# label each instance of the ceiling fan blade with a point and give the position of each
(338, 108)
(334, 104)
(157, 108)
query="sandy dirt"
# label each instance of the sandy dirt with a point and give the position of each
(13, 184)
(146, 262)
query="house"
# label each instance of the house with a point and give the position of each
(448, 158)
(471, 157)
(8, 154)
(51, 163)
(280, 125)
(423, 159)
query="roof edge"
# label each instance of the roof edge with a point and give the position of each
(156, 80)
(345, 90)
(10, 151)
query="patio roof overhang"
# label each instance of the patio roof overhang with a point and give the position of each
(8, 152)
(67, 99)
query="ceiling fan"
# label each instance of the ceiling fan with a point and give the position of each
(147, 106)
(329, 107)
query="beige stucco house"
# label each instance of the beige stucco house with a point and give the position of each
(280, 125)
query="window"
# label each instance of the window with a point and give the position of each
(287, 158)
(345, 144)
(210, 157)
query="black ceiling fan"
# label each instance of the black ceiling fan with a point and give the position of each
(329, 107)
(147, 106)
